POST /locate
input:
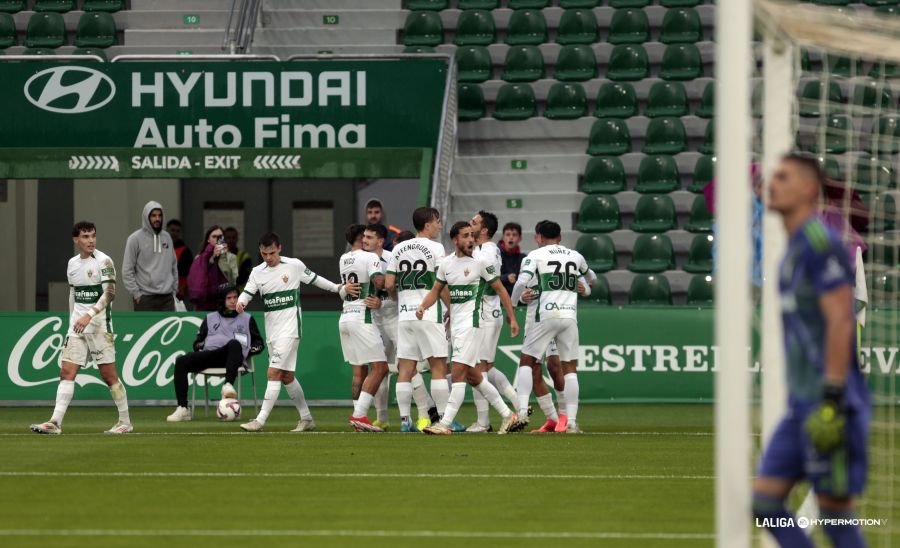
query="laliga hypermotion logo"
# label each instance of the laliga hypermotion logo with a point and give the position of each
(69, 90)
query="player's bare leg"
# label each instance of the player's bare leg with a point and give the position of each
(359, 376)
(360, 420)
(117, 391)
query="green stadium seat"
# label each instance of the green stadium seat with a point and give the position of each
(577, 27)
(680, 3)
(39, 52)
(883, 251)
(652, 253)
(837, 129)
(96, 30)
(45, 30)
(628, 62)
(609, 137)
(709, 139)
(578, 4)
(576, 63)
(528, 4)
(666, 99)
(603, 175)
(883, 210)
(658, 174)
(523, 64)
(654, 213)
(700, 255)
(600, 293)
(423, 28)
(474, 28)
(526, 27)
(872, 174)
(881, 4)
(12, 6)
(665, 136)
(566, 101)
(58, 6)
(887, 70)
(598, 250)
(840, 65)
(418, 49)
(473, 64)
(650, 290)
(704, 172)
(886, 139)
(811, 98)
(629, 26)
(701, 291)
(471, 102)
(616, 100)
(8, 33)
(91, 51)
(701, 220)
(478, 4)
(598, 214)
(871, 94)
(884, 292)
(708, 102)
(681, 26)
(109, 6)
(618, 4)
(515, 102)
(427, 5)
(681, 62)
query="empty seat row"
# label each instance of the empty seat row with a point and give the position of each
(437, 5)
(611, 137)
(650, 253)
(875, 3)
(838, 132)
(654, 213)
(577, 26)
(654, 290)
(606, 175)
(48, 30)
(867, 173)
(867, 94)
(61, 6)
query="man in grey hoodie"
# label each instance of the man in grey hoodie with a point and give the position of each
(150, 269)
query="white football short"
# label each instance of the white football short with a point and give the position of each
(466, 345)
(389, 341)
(540, 335)
(490, 335)
(419, 340)
(99, 346)
(283, 353)
(361, 343)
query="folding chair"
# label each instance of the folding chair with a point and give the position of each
(245, 369)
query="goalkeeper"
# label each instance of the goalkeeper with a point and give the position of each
(823, 437)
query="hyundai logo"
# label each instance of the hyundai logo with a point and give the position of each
(69, 90)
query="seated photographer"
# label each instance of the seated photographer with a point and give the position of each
(226, 339)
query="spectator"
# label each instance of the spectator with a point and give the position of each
(403, 236)
(510, 255)
(375, 216)
(214, 266)
(149, 269)
(227, 339)
(183, 256)
(244, 260)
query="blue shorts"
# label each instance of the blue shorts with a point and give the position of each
(840, 474)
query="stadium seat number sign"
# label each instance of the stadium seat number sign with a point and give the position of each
(191, 19)
(331, 20)
(514, 203)
(519, 164)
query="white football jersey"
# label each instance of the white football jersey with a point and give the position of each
(466, 278)
(556, 269)
(387, 314)
(86, 278)
(359, 267)
(279, 288)
(414, 264)
(489, 253)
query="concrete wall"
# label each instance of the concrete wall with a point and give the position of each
(399, 197)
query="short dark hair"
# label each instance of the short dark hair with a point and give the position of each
(375, 202)
(457, 226)
(379, 229)
(269, 239)
(423, 216)
(173, 222)
(354, 232)
(83, 226)
(513, 226)
(489, 221)
(403, 236)
(548, 229)
(808, 162)
(230, 229)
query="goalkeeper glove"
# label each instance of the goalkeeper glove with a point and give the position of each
(826, 425)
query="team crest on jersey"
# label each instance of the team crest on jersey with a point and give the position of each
(466, 272)
(285, 278)
(90, 273)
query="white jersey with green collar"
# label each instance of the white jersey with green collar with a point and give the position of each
(279, 288)
(414, 264)
(86, 278)
(556, 270)
(491, 310)
(361, 267)
(466, 278)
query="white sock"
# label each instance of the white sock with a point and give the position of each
(273, 389)
(381, 399)
(64, 393)
(454, 402)
(491, 394)
(295, 391)
(502, 384)
(421, 395)
(441, 393)
(404, 398)
(524, 384)
(481, 407)
(117, 391)
(561, 399)
(546, 403)
(571, 392)
(361, 408)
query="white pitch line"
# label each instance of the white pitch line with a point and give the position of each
(402, 533)
(305, 434)
(360, 475)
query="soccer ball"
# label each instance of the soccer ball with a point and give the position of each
(229, 409)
